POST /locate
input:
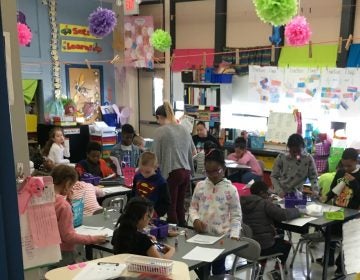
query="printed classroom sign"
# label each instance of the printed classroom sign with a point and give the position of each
(80, 46)
(77, 31)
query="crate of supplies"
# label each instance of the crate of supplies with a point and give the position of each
(257, 142)
(149, 265)
(221, 78)
(160, 229)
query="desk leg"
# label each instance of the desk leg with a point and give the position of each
(89, 252)
(326, 252)
(203, 272)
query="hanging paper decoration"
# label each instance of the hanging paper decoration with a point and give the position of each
(276, 12)
(102, 22)
(297, 31)
(160, 40)
(24, 34)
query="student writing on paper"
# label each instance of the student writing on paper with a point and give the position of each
(245, 157)
(126, 152)
(128, 236)
(149, 183)
(291, 169)
(55, 148)
(215, 206)
(64, 178)
(345, 192)
(93, 163)
(89, 193)
(260, 213)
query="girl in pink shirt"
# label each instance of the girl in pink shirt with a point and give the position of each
(245, 157)
(64, 178)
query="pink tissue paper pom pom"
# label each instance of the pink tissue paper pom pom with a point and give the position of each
(297, 31)
(24, 34)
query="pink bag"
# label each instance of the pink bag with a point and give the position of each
(242, 190)
(128, 173)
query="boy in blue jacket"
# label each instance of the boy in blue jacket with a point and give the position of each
(149, 183)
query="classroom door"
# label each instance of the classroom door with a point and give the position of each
(11, 266)
(150, 92)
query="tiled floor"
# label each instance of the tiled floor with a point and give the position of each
(299, 269)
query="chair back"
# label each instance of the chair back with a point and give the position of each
(251, 252)
(117, 164)
(118, 202)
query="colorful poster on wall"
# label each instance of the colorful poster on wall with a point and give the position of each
(331, 88)
(75, 46)
(266, 83)
(350, 88)
(77, 31)
(302, 85)
(138, 51)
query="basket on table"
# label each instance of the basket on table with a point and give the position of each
(149, 265)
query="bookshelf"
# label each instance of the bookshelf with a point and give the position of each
(202, 101)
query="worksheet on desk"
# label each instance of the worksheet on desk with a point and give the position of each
(300, 221)
(204, 239)
(118, 189)
(87, 230)
(100, 271)
(203, 254)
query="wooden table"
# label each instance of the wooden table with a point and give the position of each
(180, 270)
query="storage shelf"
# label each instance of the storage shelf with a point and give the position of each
(202, 84)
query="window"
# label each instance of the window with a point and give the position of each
(158, 89)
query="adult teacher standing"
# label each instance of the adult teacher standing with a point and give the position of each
(173, 147)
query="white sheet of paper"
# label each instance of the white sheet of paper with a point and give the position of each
(93, 271)
(115, 189)
(204, 239)
(203, 254)
(300, 221)
(229, 161)
(87, 230)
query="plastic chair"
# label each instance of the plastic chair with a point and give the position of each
(309, 239)
(118, 202)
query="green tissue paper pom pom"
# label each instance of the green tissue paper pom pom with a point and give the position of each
(160, 40)
(276, 12)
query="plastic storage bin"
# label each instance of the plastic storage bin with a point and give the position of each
(257, 142)
(221, 78)
(89, 178)
(160, 230)
(149, 265)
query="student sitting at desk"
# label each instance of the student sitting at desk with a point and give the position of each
(89, 193)
(346, 195)
(126, 152)
(64, 178)
(291, 169)
(128, 236)
(55, 148)
(259, 213)
(245, 157)
(199, 158)
(149, 183)
(93, 163)
(202, 136)
(215, 206)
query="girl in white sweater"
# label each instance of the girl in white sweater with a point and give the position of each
(55, 148)
(215, 206)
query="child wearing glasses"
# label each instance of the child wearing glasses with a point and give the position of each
(215, 206)
(128, 236)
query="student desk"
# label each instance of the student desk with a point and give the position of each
(230, 246)
(115, 190)
(321, 223)
(179, 271)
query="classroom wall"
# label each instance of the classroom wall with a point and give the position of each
(357, 26)
(195, 24)
(35, 60)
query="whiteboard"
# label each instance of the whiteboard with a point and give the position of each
(280, 127)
